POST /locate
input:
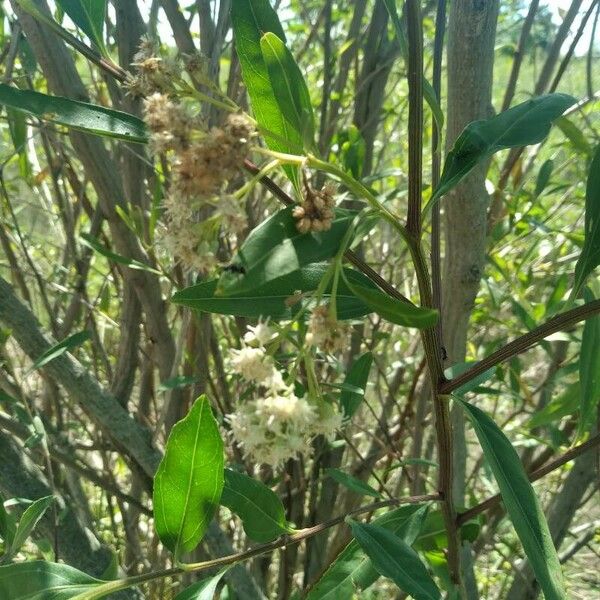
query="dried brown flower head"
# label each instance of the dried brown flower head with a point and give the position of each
(316, 211)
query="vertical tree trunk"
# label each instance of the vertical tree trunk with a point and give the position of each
(471, 38)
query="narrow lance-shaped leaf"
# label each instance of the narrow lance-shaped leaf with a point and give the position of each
(281, 298)
(89, 16)
(74, 114)
(41, 580)
(251, 19)
(189, 480)
(589, 370)
(202, 590)
(259, 507)
(520, 501)
(393, 310)
(357, 376)
(289, 88)
(590, 255)
(352, 571)
(524, 124)
(29, 519)
(60, 348)
(352, 483)
(396, 560)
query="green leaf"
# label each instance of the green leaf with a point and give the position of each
(565, 404)
(395, 559)
(289, 88)
(30, 518)
(42, 580)
(543, 177)
(590, 254)
(278, 299)
(251, 19)
(352, 570)
(89, 16)
(180, 381)
(94, 244)
(574, 135)
(520, 501)
(189, 480)
(202, 590)
(259, 507)
(58, 349)
(74, 114)
(524, 124)
(395, 311)
(276, 248)
(589, 371)
(352, 483)
(357, 376)
(460, 368)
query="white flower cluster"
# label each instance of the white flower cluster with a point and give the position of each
(278, 425)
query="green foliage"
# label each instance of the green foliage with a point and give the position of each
(260, 509)
(251, 19)
(66, 345)
(89, 16)
(42, 580)
(590, 255)
(352, 483)
(353, 570)
(357, 377)
(289, 88)
(281, 298)
(395, 559)
(189, 480)
(82, 116)
(202, 590)
(520, 501)
(524, 124)
(30, 518)
(395, 311)
(589, 372)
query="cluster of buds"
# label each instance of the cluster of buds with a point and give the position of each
(325, 331)
(315, 212)
(203, 162)
(153, 73)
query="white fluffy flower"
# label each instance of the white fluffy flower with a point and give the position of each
(275, 428)
(260, 334)
(252, 364)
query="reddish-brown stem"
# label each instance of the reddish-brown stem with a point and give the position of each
(526, 341)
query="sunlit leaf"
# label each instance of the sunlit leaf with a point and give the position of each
(89, 16)
(289, 88)
(74, 114)
(42, 580)
(202, 590)
(524, 124)
(29, 519)
(189, 480)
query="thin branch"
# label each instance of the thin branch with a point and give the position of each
(523, 343)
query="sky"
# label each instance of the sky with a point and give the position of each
(584, 43)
